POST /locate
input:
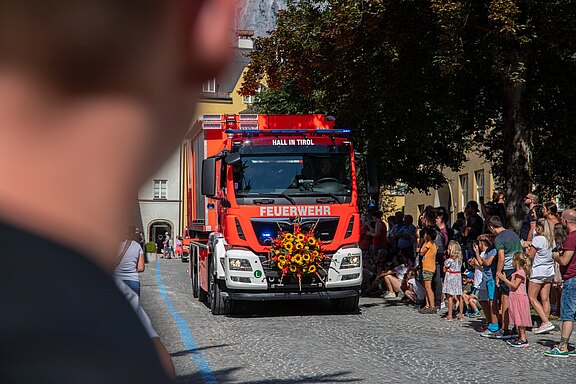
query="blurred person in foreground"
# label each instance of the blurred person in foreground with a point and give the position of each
(88, 90)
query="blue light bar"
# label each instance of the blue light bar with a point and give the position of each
(289, 131)
(266, 234)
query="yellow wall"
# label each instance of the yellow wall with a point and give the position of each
(210, 106)
(450, 195)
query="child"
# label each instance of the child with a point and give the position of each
(393, 277)
(428, 254)
(469, 295)
(414, 292)
(519, 310)
(486, 256)
(452, 286)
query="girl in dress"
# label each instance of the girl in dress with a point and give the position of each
(519, 310)
(452, 286)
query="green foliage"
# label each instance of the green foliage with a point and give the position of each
(422, 82)
(150, 247)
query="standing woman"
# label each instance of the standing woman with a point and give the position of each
(542, 274)
(131, 262)
(550, 212)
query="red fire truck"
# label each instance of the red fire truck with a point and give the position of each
(250, 177)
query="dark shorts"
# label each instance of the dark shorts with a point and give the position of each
(134, 285)
(504, 289)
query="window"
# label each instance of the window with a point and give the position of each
(209, 86)
(161, 189)
(479, 175)
(464, 190)
(251, 98)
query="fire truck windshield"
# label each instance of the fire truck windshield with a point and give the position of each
(310, 174)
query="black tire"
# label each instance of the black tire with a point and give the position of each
(347, 304)
(217, 304)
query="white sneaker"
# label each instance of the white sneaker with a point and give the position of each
(544, 327)
(389, 295)
(442, 305)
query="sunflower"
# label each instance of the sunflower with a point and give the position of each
(288, 236)
(297, 259)
(300, 237)
(311, 241)
(281, 264)
(288, 246)
(315, 253)
(312, 268)
(293, 268)
(306, 257)
(282, 258)
(298, 245)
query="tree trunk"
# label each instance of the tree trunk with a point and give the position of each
(517, 154)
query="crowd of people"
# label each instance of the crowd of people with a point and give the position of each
(477, 266)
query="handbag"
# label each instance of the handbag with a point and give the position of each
(557, 273)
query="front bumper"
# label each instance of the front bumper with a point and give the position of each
(339, 279)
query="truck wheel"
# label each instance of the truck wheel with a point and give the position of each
(217, 304)
(347, 304)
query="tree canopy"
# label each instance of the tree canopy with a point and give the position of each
(420, 83)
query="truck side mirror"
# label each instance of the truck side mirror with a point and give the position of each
(209, 177)
(232, 158)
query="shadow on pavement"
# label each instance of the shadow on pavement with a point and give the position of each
(548, 343)
(196, 350)
(224, 376)
(286, 308)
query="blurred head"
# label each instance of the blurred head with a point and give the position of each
(520, 260)
(550, 209)
(429, 234)
(408, 219)
(485, 240)
(494, 224)
(155, 53)
(498, 194)
(569, 219)
(530, 199)
(471, 207)
(455, 250)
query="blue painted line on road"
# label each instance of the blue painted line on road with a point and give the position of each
(186, 334)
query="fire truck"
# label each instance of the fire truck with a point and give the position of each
(250, 177)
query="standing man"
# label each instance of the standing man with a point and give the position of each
(472, 229)
(529, 222)
(407, 238)
(567, 263)
(507, 243)
(88, 88)
(379, 235)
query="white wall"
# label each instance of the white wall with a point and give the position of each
(166, 210)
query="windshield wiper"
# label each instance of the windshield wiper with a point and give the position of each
(283, 194)
(329, 194)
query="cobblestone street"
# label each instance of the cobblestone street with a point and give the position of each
(305, 342)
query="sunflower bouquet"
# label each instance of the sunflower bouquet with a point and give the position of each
(298, 253)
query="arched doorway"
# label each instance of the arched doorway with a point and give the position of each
(156, 231)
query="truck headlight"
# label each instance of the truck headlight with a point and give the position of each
(350, 261)
(239, 264)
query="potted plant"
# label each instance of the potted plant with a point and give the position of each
(150, 249)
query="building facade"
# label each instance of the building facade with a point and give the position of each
(474, 181)
(161, 206)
